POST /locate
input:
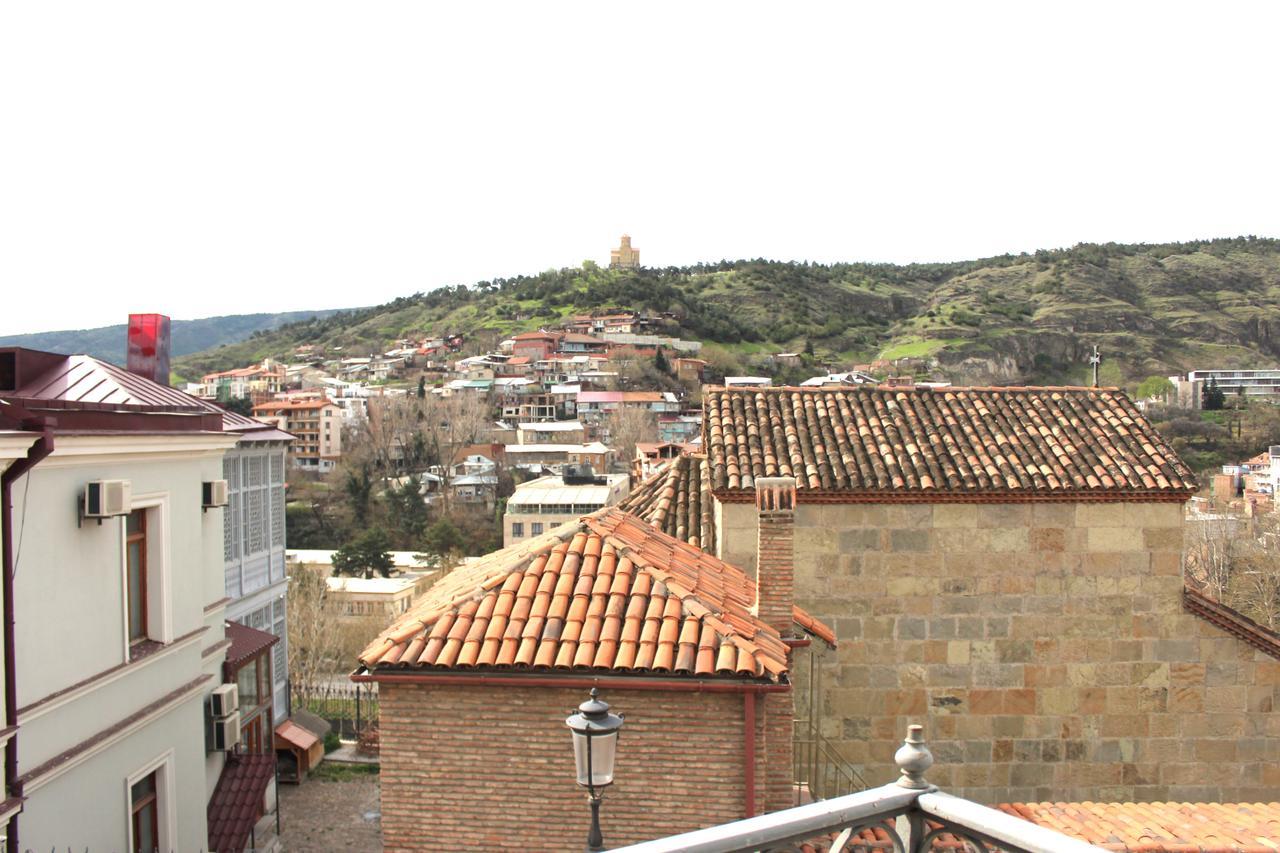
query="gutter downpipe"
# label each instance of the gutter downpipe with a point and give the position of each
(749, 779)
(38, 451)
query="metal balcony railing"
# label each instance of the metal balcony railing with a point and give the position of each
(907, 816)
(820, 769)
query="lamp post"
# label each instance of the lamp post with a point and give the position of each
(595, 745)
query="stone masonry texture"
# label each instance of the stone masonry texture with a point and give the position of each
(1042, 645)
(491, 768)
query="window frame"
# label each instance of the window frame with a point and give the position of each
(158, 574)
(166, 831)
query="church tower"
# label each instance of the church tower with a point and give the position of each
(624, 257)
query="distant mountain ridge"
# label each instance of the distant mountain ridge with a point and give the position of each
(187, 336)
(1034, 317)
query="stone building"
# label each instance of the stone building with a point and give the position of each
(476, 680)
(624, 256)
(1003, 566)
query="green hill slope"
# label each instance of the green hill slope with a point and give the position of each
(188, 336)
(1151, 309)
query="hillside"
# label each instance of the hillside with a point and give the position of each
(188, 336)
(1152, 309)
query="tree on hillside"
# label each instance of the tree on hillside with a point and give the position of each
(1154, 386)
(626, 426)
(1212, 399)
(407, 510)
(660, 361)
(239, 405)
(443, 538)
(422, 387)
(365, 555)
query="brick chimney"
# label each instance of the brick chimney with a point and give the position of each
(149, 347)
(775, 552)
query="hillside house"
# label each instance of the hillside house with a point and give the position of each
(316, 426)
(681, 643)
(1003, 566)
(543, 504)
(545, 432)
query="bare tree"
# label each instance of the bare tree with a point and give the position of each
(314, 642)
(1211, 552)
(625, 427)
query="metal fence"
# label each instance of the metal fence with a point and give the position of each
(351, 709)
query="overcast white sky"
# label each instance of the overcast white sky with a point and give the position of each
(217, 158)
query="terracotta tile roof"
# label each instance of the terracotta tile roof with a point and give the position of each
(979, 443)
(677, 501)
(1162, 827)
(608, 593)
(236, 803)
(1232, 621)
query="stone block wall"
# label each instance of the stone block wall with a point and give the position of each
(1043, 646)
(491, 768)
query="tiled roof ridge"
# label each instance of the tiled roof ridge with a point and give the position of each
(1232, 621)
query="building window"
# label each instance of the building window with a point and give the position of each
(517, 529)
(144, 805)
(535, 528)
(136, 555)
(254, 683)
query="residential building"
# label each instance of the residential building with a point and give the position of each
(593, 405)
(258, 382)
(624, 257)
(689, 369)
(595, 454)
(253, 540)
(849, 377)
(354, 599)
(547, 502)
(704, 674)
(547, 432)
(680, 428)
(535, 346)
(1252, 384)
(1009, 562)
(316, 426)
(114, 727)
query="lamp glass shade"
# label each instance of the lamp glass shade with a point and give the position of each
(603, 749)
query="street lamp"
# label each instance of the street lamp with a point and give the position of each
(595, 745)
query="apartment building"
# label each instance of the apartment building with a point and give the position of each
(548, 502)
(1253, 384)
(113, 737)
(316, 426)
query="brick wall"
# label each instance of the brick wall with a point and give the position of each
(1043, 646)
(491, 768)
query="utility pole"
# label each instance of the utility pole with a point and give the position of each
(1095, 360)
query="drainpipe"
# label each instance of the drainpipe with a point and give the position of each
(749, 721)
(38, 451)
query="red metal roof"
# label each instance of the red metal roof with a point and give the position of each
(86, 394)
(236, 803)
(246, 644)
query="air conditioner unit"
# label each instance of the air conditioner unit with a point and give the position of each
(214, 494)
(224, 700)
(224, 733)
(107, 498)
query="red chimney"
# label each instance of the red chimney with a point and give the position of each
(149, 346)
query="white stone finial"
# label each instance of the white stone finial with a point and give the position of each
(913, 759)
